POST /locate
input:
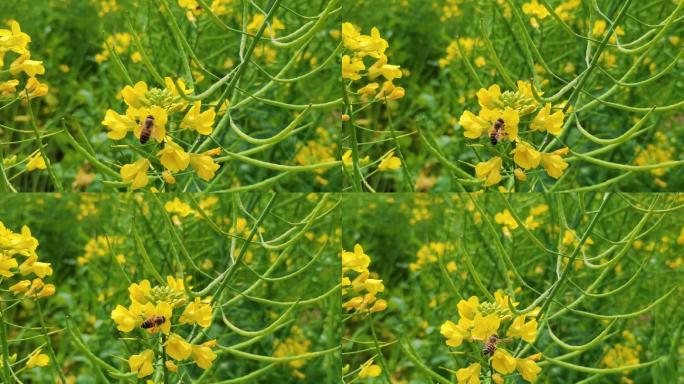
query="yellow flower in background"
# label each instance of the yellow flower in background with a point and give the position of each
(546, 121)
(506, 218)
(37, 359)
(201, 122)
(142, 363)
(469, 375)
(203, 355)
(36, 162)
(173, 157)
(553, 162)
(526, 156)
(533, 8)
(489, 171)
(368, 369)
(179, 207)
(503, 362)
(389, 162)
(177, 347)
(204, 165)
(136, 172)
(272, 28)
(297, 344)
(119, 125)
(197, 313)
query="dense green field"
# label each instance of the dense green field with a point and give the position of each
(246, 285)
(243, 95)
(341, 191)
(590, 94)
(577, 288)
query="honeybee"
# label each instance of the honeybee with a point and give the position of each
(490, 346)
(497, 132)
(154, 321)
(147, 127)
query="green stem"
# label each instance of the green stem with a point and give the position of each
(48, 341)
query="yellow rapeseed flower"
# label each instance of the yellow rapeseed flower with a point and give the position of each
(469, 375)
(136, 172)
(173, 157)
(503, 362)
(201, 122)
(197, 313)
(142, 363)
(526, 156)
(177, 347)
(489, 171)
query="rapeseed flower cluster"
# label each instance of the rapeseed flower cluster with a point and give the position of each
(16, 43)
(119, 43)
(467, 45)
(623, 354)
(354, 68)
(157, 107)
(431, 253)
(485, 323)
(18, 257)
(320, 150)
(156, 305)
(499, 120)
(363, 289)
(101, 247)
(105, 6)
(661, 151)
(296, 344)
(14, 46)
(193, 8)
(509, 224)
